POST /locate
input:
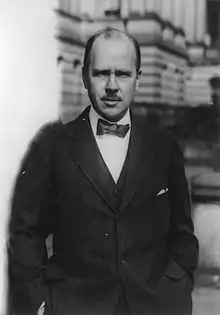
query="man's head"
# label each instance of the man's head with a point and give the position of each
(111, 72)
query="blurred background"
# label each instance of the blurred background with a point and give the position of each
(179, 89)
(42, 46)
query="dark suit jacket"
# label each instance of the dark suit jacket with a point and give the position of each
(103, 237)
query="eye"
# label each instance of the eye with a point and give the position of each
(100, 73)
(122, 74)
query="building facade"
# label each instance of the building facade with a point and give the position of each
(174, 39)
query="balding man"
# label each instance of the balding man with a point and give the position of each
(111, 189)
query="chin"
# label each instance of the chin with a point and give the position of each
(114, 116)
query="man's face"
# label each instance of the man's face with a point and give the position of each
(112, 78)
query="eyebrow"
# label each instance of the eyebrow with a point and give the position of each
(107, 72)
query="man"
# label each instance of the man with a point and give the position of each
(112, 191)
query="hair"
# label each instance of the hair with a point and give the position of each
(110, 33)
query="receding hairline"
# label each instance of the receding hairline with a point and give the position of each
(111, 34)
(116, 37)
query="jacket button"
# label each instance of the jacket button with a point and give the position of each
(116, 191)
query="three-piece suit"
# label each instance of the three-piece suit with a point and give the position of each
(134, 236)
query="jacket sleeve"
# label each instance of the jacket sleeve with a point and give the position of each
(29, 225)
(182, 241)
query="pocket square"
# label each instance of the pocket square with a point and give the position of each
(162, 191)
(41, 309)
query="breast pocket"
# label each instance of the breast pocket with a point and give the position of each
(161, 206)
(162, 192)
(162, 200)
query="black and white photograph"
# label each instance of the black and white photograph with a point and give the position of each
(110, 157)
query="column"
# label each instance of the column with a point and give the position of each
(109, 4)
(64, 5)
(189, 19)
(125, 7)
(138, 6)
(158, 6)
(178, 13)
(201, 11)
(167, 15)
(29, 99)
(100, 6)
(166, 9)
(74, 7)
(150, 5)
(88, 7)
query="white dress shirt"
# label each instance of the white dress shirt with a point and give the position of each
(112, 148)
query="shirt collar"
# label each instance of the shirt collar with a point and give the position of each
(94, 117)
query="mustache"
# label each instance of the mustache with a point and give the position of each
(111, 98)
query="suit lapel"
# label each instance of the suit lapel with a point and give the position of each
(85, 152)
(140, 154)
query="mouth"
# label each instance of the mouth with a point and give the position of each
(111, 101)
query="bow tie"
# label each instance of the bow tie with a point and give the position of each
(104, 127)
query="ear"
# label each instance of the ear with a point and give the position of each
(138, 79)
(85, 78)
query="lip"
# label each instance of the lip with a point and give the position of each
(111, 99)
(111, 102)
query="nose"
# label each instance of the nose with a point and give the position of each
(111, 85)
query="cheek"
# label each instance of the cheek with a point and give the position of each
(128, 90)
(97, 88)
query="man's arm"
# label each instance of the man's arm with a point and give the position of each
(182, 242)
(28, 229)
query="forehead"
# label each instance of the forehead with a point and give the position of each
(116, 52)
